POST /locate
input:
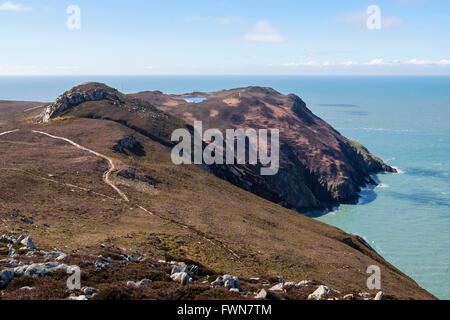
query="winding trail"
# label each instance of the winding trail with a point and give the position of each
(8, 132)
(106, 179)
(106, 175)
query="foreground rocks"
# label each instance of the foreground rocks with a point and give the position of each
(113, 274)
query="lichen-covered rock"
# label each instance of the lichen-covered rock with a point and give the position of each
(321, 292)
(102, 263)
(6, 276)
(277, 287)
(28, 242)
(261, 294)
(182, 277)
(380, 296)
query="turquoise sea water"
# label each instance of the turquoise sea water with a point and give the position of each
(403, 120)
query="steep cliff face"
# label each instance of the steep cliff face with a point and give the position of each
(318, 166)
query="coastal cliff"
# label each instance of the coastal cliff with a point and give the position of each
(319, 167)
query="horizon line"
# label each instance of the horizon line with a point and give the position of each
(225, 75)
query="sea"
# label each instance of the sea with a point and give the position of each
(403, 120)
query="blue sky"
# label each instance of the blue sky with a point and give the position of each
(145, 37)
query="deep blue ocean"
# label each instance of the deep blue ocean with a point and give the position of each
(403, 120)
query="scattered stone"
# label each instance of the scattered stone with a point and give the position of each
(193, 270)
(281, 280)
(380, 296)
(144, 281)
(20, 239)
(364, 295)
(277, 287)
(6, 276)
(304, 283)
(261, 294)
(231, 282)
(27, 220)
(12, 252)
(28, 243)
(78, 298)
(56, 255)
(23, 250)
(218, 282)
(89, 291)
(27, 288)
(321, 292)
(179, 268)
(349, 297)
(182, 277)
(4, 239)
(139, 283)
(39, 269)
(12, 262)
(290, 284)
(102, 263)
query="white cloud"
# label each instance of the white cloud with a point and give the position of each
(9, 6)
(415, 61)
(359, 20)
(311, 63)
(262, 31)
(376, 62)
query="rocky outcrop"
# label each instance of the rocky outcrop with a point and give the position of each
(131, 144)
(78, 95)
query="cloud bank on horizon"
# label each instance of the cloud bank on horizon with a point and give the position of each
(231, 37)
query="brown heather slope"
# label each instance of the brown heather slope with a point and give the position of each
(184, 213)
(319, 167)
